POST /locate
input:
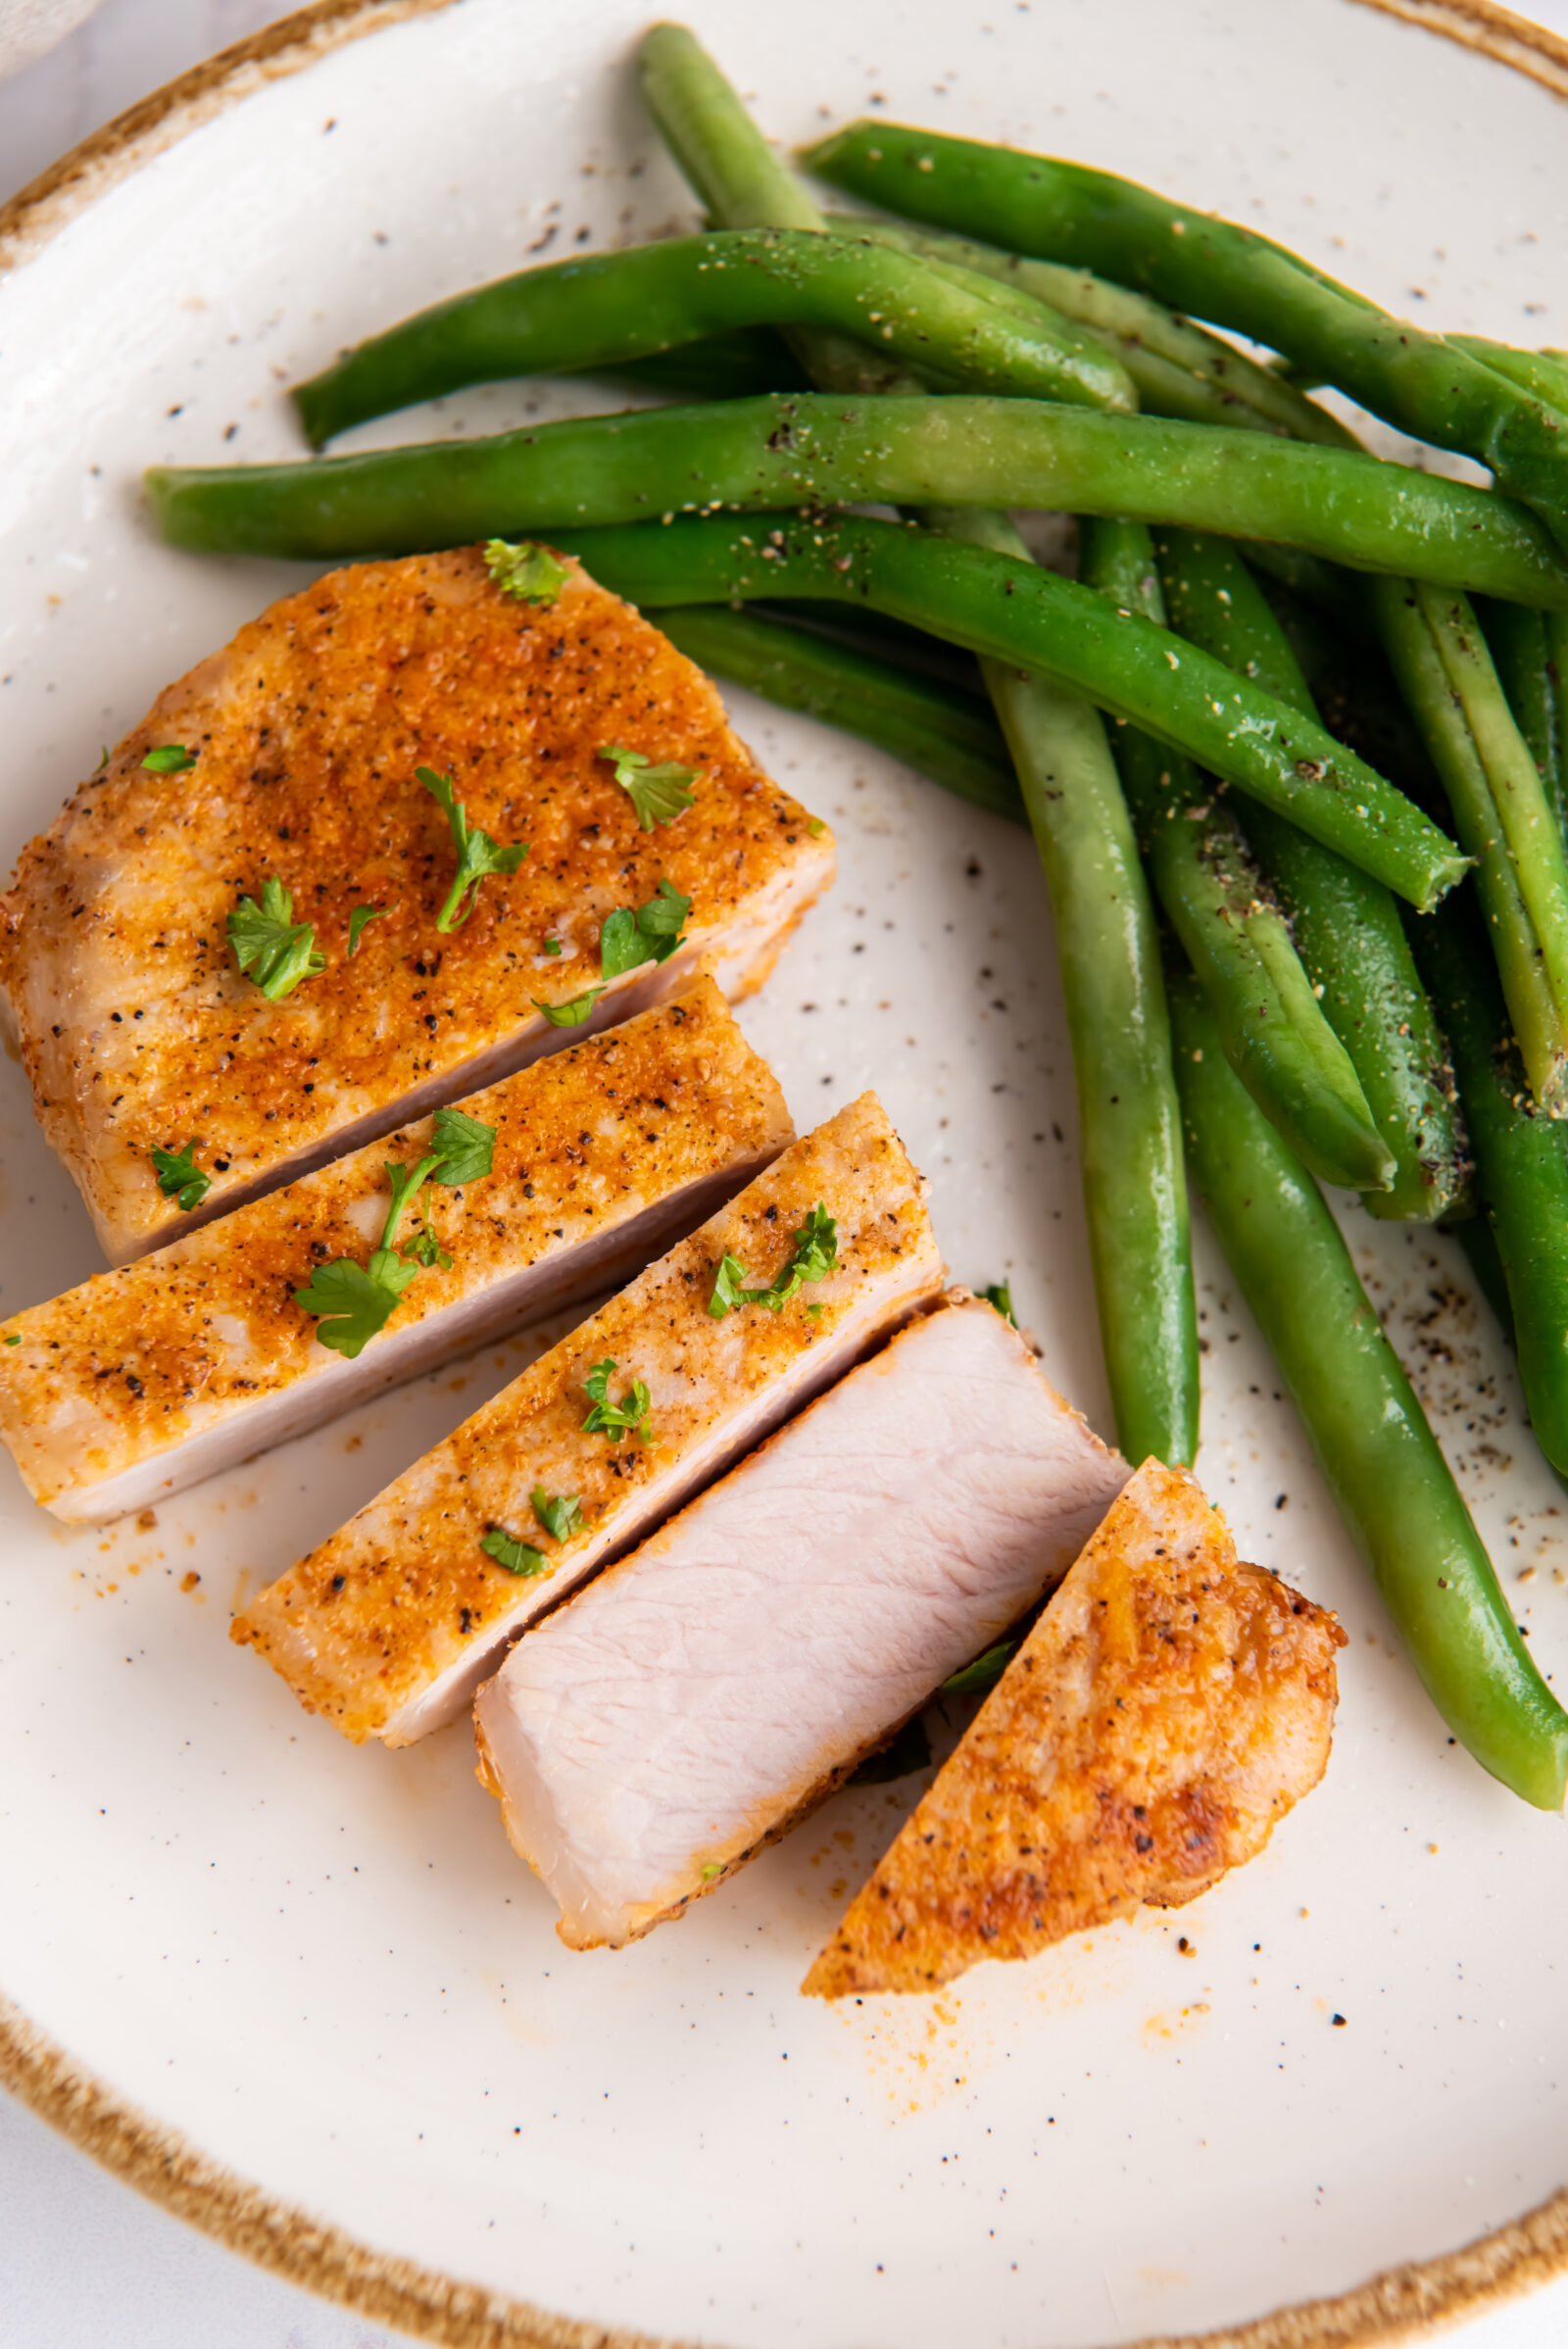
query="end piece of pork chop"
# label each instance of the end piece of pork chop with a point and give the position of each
(1165, 1712)
(704, 1695)
(136, 1027)
(141, 1381)
(388, 1628)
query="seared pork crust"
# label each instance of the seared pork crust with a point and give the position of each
(137, 1030)
(388, 1628)
(143, 1379)
(1168, 1709)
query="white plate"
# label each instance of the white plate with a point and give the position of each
(322, 1967)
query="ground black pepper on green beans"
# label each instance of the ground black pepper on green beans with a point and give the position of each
(1022, 614)
(821, 449)
(1270, 1022)
(611, 308)
(1210, 269)
(1521, 1161)
(1346, 929)
(1378, 1455)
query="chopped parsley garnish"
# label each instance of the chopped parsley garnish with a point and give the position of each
(465, 1147)
(659, 793)
(651, 933)
(179, 1177)
(999, 1294)
(270, 946)
(629, 1417)
(352, 1301)
(426, 1251)
(984, 1673)
(359, 920)
(560, 1515)
(478, 855)
(712, 1869)
(812, 1258)
(103, 761)
(169, 758)
(15, 1338)
(518, 1558)
(629, 938)
(569, 1014)
(526, 570)
(552, 946)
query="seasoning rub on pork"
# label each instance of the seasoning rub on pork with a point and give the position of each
(387, 1629)
(1168, 1708)
(143, 1380)
(693, 1702)
(286, 767)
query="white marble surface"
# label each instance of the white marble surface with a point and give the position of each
(84, 2264)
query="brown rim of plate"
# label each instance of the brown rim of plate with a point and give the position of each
(1415, 2297)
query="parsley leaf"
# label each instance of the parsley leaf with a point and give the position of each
(15, 1339)
(526, 570)
(270, 946)
(999, 1294)
(353, 1301)
(179, 1177)
(560, 1516)
(478, 855)
(649, 935)
(659, 793)
(426, 1251)
(465, 1145)
(518, 1558)
(812, 1257)
(984, 1673)
(626, 941)
(552, 946)
(169, 758)
(569, 1014)
(359, 920)
(627, 1417)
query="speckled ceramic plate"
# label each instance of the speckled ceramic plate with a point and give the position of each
(269, 1975)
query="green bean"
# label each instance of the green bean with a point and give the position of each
(1346, 929)
(1376, 1452)
(1021, 613)
(824, 449)
(1520, 643)
(941, 733)
(1135, 1196)
(1521, 1164)
(607, 309)
(1499, 812)
(1269, 1020)
(740, 182)
(1177, 368)
(1135, 1189)
(1543, 372)
(1210, 269)
(740, 366)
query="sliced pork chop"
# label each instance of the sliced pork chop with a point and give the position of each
(387, 1630)
(136, 1027)
(697, 1698)
(141, 1381)
(1162, 1716)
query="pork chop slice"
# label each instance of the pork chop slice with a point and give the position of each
(137, 1028)
(144, 1379)
(1168, 1708)
(695, 1701)
(387, 1629)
